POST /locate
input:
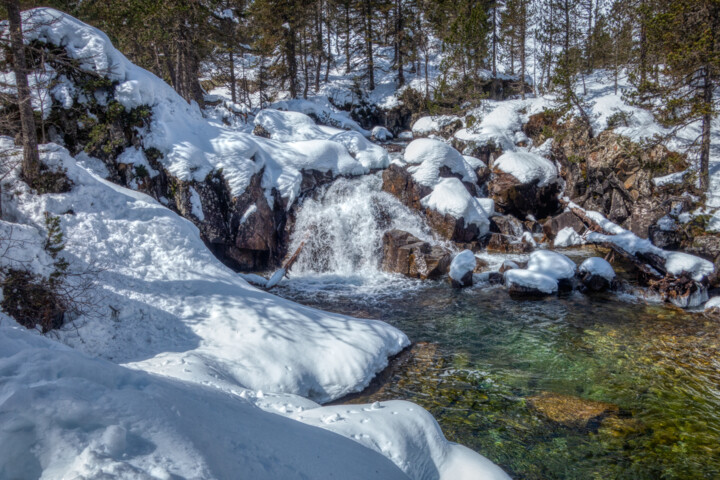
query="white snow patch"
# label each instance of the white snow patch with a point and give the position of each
(527, 167)
(463, 263)
(532, 280)
(452, 198)
(196, 204)
(567, 237)
(427, 156)
(598, 266)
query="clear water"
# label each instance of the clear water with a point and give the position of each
(486, 356)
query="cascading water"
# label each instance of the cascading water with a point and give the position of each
(343, 227)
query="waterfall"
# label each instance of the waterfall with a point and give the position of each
(343, 226)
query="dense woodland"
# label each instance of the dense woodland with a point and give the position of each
(669, 49)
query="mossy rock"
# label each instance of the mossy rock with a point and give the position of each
(570, 411)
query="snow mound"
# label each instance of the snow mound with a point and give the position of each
(527, 167)
(500, 125)
(714, 302)
(407, 434)
(427, 125)
(450, 197)
(381, 134)
(321, 108)
(567, 237)
(289, 126)
(369, 155)
(598, 266)
(65, 415)
(552, 264)
(531, 280)
(463, 263)
(428, 156)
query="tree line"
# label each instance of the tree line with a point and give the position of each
(670, 49)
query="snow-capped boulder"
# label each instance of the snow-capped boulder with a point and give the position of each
(554, 265)
(596, 274)
(567, 237)
(562, 221)
(524, 282)
(429, 160)
(456, 214)
(462, 268)
(524, 183)
(444, 126)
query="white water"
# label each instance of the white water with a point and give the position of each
(343, 228)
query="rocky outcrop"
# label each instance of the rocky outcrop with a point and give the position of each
(406, 254)
(398, 182)
(553, 225)
(513, 197)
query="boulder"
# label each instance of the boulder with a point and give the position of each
(555, 224)
(508, 244)
(462, 268)
(520, 199)
(398, 182)
(406, 254)
(596, 274)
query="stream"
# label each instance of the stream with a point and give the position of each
(569, 387)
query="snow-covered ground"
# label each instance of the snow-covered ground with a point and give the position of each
(180, 353)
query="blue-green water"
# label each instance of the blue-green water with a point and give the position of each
(488, 356)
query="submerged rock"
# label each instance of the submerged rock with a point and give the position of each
(408, 255)
(571, 411)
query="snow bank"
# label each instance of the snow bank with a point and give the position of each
(463, 263)
(499, 124)
(598, 266)
(450, 197)
(289, 126)
(381, 134)
(369, 155)
(427, 156)
(320, 108)
(527, 167)
(65, 415)
(714, 302)
(531, 280)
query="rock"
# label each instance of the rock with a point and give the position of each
(462, 268)
(496, 278)
(525, 283)
(406, 254)
(452, 228)
(506, 244)
(260, 131)
(507, 225)
(513, 197)
(553, 225)
(570, 411)
(381, 134)
(398, 182)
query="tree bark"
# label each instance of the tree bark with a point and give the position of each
(31, 159)
(369, 44)
(706, 123)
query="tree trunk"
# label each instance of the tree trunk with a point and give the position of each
(291, 61)
(31, 158)
(369, 44)
(398, 43)
(347, 36)
(523, 35)
(319, 48)
(233, 80)
(706, 123)
(494, 40)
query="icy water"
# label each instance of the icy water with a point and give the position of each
(521, 381)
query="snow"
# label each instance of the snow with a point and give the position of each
(196, 204)
(676, 263)
(199, 351)
(66, 415)
(598, 266)
(381, 134)
(135, 156)
(567, 237)
(532, 280)
(450, 197)
(426, 125)
(427, 156)
(193, 146)
(462, 263)
(552, 264)
(714, 302)
(527, 167)
(369, 155)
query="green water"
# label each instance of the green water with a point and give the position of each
(489, 355)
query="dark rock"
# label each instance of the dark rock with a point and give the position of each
(553, 225)
(465, 281)
(507, 225)
(399, 182)
(521, 199)
(594, 283)
(496, 278)
(450, 227)
(572, 411)
(507, 244)
(260, 131)
(406, 254)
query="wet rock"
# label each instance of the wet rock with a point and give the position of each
(496, 278)
(398, 182)
(406, 254)
(593, 282)
(451, 228)
(570, 411)
(553, 225)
